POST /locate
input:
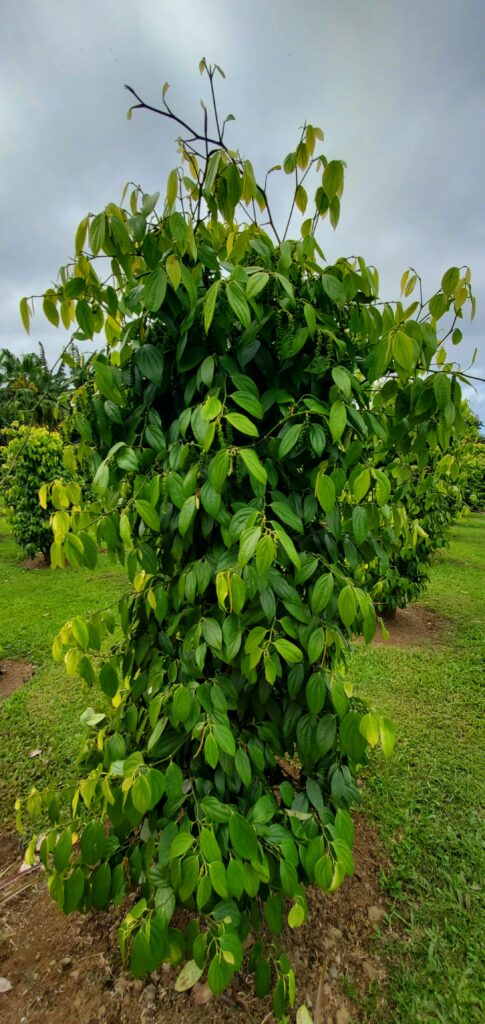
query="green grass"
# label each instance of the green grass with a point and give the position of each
(426, 799)
(44, 714)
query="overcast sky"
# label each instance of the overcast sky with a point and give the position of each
(398, 87)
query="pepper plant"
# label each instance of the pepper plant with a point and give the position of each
(243, 399)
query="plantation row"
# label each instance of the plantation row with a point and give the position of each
(273, 454)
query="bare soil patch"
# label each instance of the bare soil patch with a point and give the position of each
(39, 562)
(13, 675)
(67, 969)
(413, 626)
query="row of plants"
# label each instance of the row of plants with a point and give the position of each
(273, 454)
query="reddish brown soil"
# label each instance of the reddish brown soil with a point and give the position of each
(13, 675)
(414, 626)
(67, 969)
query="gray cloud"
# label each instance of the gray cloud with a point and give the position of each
(398, 88)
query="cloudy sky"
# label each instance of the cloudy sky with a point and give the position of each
(399, 89)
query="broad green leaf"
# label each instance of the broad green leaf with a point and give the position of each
(289, 440)
(360, 524)
(337, 420)
(369, 728)
(387, 730)
(148, 514)
(149, 360)
(155, 289)
(403, 351)
(289, 651)
(361, 484)
(242, 423)
(243, 838)
(253, 465)
(325, 492)
(322, 592)
(238, 303)
(347, 605)
(256, 283)
(210, 304)
(248, 402)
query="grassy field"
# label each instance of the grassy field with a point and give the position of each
(425, 800)
(44, 715)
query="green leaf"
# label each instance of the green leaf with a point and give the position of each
(403, 351)
(249, 402)
(450, 280)
(337, 420)
(287, 544)
(333, 178)
(442, 390)
(148, 514)
(243, 766)
(289, 440)
(265, 553)
(248, 544)
(155, 289)
(369, 727)
(326, 732)
(219, 975)
(25, 314)
(242, 423)
(361, 485)
(316, 645)
(315, 692)
(97, 233)
(284, 512)
(73, 890)
(212, 633)
(331, 285)
(181, 844)
(290, 652)
(253, 465)
(187, 514)
(93, 842)
(217, 875)
(100, 886)
(210, 304)
(325, 492)
(238, 303)
(149, 360)
(387, 731)
(323, 871)
(360, 524)
(347, 605)
(322, 592)
(243, 838)
(256, 283)
(218, 469)
(141, 794)
(342, 380)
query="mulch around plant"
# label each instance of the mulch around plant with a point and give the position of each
(13, 675)
(414, 626)
(67, 969)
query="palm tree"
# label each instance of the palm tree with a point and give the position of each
(29, 391)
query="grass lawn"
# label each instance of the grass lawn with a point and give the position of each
(425, 800)
(44, 715)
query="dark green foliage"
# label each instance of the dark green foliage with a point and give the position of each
(251, 410)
